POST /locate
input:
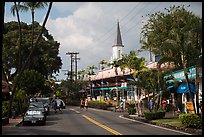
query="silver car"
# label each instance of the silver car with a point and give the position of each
(38, 106)
(33, 116)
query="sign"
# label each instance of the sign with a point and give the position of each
(189, 107)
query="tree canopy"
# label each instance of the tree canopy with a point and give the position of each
(45, 58)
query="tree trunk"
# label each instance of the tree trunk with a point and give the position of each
(20, 39)
(189, 90)
(197, 91)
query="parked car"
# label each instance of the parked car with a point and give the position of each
(46, 103)
(38, 106)
(33, 116)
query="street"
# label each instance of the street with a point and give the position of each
(74, 121)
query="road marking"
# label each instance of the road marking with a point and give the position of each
(101, 125)
(74, 110)
(155, 126)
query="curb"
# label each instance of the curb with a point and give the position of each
(187, 130)
(18, 124)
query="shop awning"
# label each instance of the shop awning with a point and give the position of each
(183, 88)
(169, 87)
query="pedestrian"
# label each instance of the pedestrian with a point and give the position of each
(151, 104)
(61, 106)
(164, 103)
(121, 105)
(55, 105)
(81, 104)
(86, 104)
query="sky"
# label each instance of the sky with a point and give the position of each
(89, 28)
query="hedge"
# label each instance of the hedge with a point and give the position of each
(191, 120)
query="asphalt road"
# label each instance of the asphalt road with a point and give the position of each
(74, 121)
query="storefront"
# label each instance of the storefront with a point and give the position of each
(182, 89)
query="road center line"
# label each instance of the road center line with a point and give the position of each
(101, 125)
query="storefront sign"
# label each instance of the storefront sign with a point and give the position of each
(189, 107)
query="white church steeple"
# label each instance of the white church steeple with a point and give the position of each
(117, 47)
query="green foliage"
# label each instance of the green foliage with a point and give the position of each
(98, 104)
(191, 120)
(21, 94)
(131, 109)
(31, 81)
(154, 115)
(175, 36)
(45, 58)
(5, 108)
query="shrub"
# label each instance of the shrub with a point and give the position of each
(191, 120)
(154, 115)
(5, 108)
(97, 104)
(131, 109)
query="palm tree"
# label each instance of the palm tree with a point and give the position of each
(171, 38)
(32, 6)
(15, 11)
(138, 65)
(89, 72)
(102, 63)
(15, 83)
(81, 74)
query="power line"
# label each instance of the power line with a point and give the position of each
(112, 34)
(140, 20)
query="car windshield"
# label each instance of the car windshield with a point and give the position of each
(36, 104)
(44, 100)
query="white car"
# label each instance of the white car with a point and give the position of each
(33, 116)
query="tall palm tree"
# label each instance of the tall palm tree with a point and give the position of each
(102, 63)
(15, 11)
(115, 65)
(89, 72)
(32, 6)
(15, 83)
(172, 39)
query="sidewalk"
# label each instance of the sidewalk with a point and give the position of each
(13, 122)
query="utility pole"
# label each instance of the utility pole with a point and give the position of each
(72, 59)
(76, 65)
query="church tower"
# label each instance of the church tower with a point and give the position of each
(117, 47)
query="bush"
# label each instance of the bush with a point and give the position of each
(191, 120)
(5, 105)
(97, 104)
(154, 115)
(131, 109)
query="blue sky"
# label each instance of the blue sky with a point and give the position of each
(90, 27)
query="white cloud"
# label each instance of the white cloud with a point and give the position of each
(90, 28)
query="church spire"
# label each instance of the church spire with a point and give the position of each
(118, 40)
(118, 45)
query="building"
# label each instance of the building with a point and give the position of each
(117, 84)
